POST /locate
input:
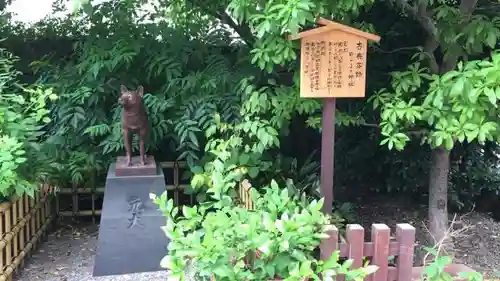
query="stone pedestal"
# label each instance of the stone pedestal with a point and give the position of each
(130, 239)
(136, 169)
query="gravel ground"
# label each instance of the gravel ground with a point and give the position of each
(480, 245)
(477, 246)
(68, 255)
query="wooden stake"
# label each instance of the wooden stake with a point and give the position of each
(15, 222)
(2, 233)
(21, 234)
(327, 153)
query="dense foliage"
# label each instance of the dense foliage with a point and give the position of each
(87, 133)
(23, 115)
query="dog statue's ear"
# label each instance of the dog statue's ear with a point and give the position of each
(123, 89)
(140, 91)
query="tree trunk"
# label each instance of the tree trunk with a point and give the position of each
(438, 197)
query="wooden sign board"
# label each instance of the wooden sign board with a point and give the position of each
(333, 64)
(333, 61)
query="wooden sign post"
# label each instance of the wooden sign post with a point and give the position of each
(332, 65)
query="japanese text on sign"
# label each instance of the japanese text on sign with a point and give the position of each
(333, 65)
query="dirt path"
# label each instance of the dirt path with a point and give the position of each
(68, 255)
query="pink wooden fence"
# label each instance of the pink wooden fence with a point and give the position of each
(381, 247)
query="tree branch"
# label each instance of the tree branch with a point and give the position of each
(369, 125)
(395, 50)
(219, 13)
(418, 133)
(429, 48)
(466, 8)
(242, 30)
(420, 14)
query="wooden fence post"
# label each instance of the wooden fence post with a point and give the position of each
(355, 236)
(330, 244)
(21, 233)
(2, 232)
(75, 200)
(8, 226)
(380, 239)
(405, 235)
(32, 220)
(15, 221)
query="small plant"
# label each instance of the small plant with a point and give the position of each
(277, 240)
(435, 270)
(11, 157)
(435, 261)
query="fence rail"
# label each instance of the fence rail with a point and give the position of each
(378, 250)
(23, 224)
(86, 202)
(392, 254)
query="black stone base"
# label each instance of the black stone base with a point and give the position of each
(130, 238)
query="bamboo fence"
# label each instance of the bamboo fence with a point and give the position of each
(244, 193)
(87, 202)
(23, 224)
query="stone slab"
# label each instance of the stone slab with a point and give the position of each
(136, 169)
(130, 239)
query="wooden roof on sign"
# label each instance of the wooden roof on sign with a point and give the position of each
(331, 26)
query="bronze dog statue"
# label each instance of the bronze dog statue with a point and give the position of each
(134, 120)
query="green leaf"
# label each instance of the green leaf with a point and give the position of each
(20, 160)
(347, 264)
(264, 248)
(279, 225)
(270, 269)
(196, 170)
(471, 135)
(492, 97)
(332, 261)
(391, 144)
(431, 251)
(244, 158)
(457, 88)
(438, 141)
(210, 131)
(193, 138)
(253, 172)
(197, 181)
(167, 262)
(491, 39)
(370, 269)
(53, 97)
(222, 271)
(448, 143)
(305, 269)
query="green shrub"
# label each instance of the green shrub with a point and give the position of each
(279, 238)
(23, 115)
